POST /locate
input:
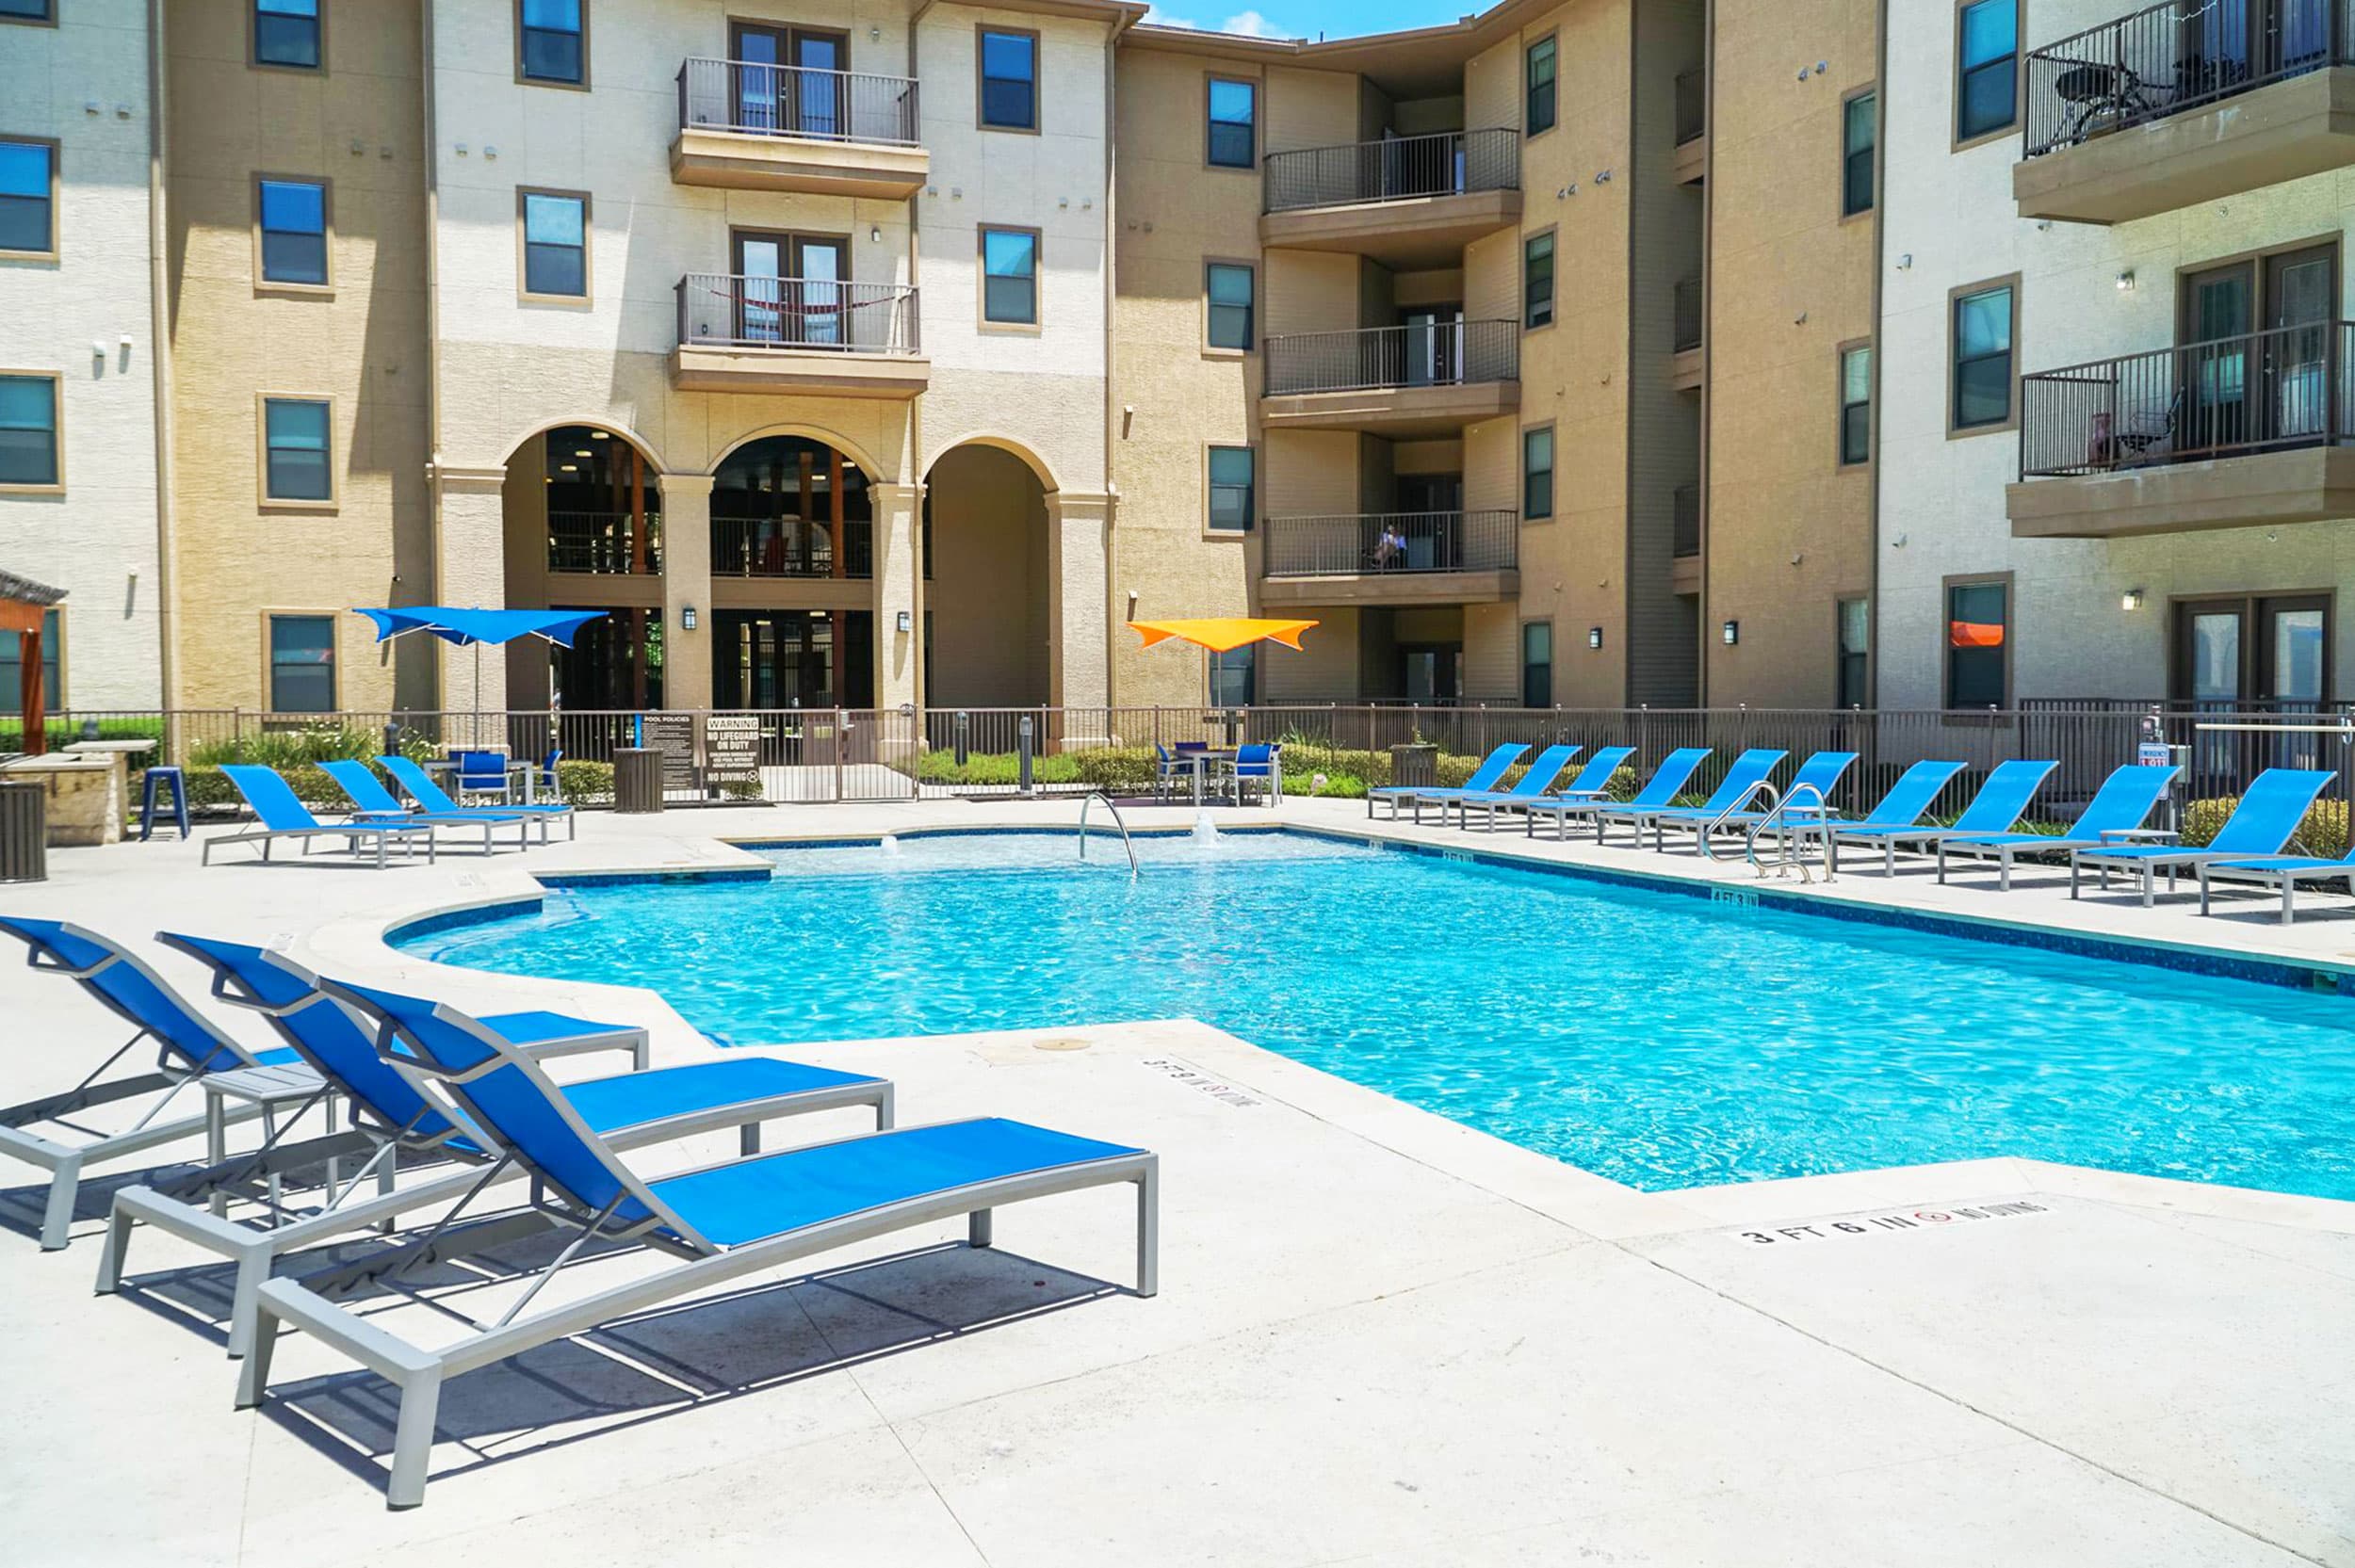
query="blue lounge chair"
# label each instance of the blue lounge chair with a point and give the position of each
(1805, 803)
(283, 815)
(373, 803)
(2116, 814)
(422, 790)
(1675, 772)
(1537, 778)
(1749, 770)
(2282, 871)
(1588, 787)
(745, 1216)
(397, 1133)
(2268, 814)
(2002, 801)
(1486, 777)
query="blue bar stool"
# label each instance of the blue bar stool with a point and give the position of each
(179, 802)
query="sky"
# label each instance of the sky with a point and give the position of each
(1308, 18)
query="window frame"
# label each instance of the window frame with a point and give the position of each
(1840, 650)
(1953, 360)
(1529, 89)
(557, 82)
(262, 498)
(253, 43)
(57, 206)
(524, 294)
(1873, 196)
(1554, 466)
(1946, 587)
(56, 430)
(47, 19)
(1546, 622)
(1251, 337)
(263, 283)
(1840, 395)
(1211, 82)
(1251, 506)
(1550, 235)
(981, 275)
(981, 31)
(1961, 143)
(334, 663)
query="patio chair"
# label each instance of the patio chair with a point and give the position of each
(551, 776)
(1541, 774)
(481, 772)
(1805, 803)
(2269, 812)
(1261, 765)
(2002, 801)
(282, 815)
(721, 1223)
(2282, 871)
(421, 788)
(2116, 814)
(1589, 785)
(373, 803)
(399, 1136)
(1749, 770)
(1675, 772)
(1486, 776)
(1167, 772)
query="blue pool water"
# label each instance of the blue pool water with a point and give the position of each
(1660, 1040)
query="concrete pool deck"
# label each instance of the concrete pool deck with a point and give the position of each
(1382, 1338)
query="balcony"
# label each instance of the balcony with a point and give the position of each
(790, 547)
(1688, 330)
(1410, 202)
(1393, 381)
(2160, 110)
(1685, 565)
(604, 545)
(2248, 431)
(1399, 558)
(797, 334)
(1692, 106)
(747, 126)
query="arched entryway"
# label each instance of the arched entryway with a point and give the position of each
(583, 531)
(792, 577)
(988, 620)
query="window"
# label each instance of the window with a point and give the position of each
(1232, 677)
(296, 451)
(294, 231)
(52, 668)
(1987, 68)
(1538, 472)
(1978, 643)
(303, 664)
(1538, 281)
(551, 43)
(286, 32)
(1009, 80)
(28, 431)
(1856, 404)
(1859, 131)
(1229, 286)
(1234, 487)
(26, 10)
(1539, 116)
(1855, 643)
(556, 244)
(1234, 125)
(1982, 358)
(1536, 664)
(1010, 276)
(28, 206)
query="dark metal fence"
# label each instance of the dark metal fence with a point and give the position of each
(2252, 392)
(1398, 168)
(789, 547)
(1692, 106)
(797, 313)
(1394, 541)
(1688, 314)
(602, 544)
(1447, 353)
(797, 100)
(2173, 56)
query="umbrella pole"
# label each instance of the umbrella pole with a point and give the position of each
(478, 694)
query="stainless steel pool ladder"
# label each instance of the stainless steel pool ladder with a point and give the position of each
(1112, 806)
(1791, 835)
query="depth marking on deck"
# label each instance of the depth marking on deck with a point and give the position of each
(1888, 1222)
(1193, 1077)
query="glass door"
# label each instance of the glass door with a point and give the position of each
(2298, 290)
(821, 267)
(760, 273)
(759, 83)
(820, 84)
(1434, 345)
(1433, 527)
(2212, 390)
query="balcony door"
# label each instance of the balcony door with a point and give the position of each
(1431, 674)
(790, 288)
(2269, 654)
(1434, 345)
(1433, 504)
(790, 79)
(2301, 286)
(2257, 336)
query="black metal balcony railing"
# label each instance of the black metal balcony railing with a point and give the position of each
(1451, 353)
(1396, 542)
(2228, 397)
(1445, 163)
(1692, 106)
(602, 544)
(2171, 58)
(788, 547)
(1688, 313)
(797, 313)
(796, 101)
(1687, 538)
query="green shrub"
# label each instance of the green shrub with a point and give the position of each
(284, 749)
(2323, 833)
(586, 784)
(1115, 767)
(995, 767)
(1337, 787)
(63, 732)
(209, 786)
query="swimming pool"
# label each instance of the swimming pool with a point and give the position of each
(1658, 1039)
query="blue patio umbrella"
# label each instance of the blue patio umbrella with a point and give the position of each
(476, 627)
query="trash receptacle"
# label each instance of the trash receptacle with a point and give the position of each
(1415, 765)
(24, 832)
(637, 779)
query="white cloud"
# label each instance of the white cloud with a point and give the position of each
(1242, 23)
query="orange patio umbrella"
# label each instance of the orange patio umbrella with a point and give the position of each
(1222, 634)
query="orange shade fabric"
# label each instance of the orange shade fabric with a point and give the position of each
(1973, 633)
(1222, 633)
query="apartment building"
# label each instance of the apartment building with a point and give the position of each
(2114, 389)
